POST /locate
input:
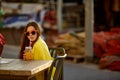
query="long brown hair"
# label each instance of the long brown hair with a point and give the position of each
(25, 40)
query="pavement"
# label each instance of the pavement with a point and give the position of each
(72, 71)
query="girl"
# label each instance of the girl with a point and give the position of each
(31, 37)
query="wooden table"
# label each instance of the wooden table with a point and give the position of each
(17, 69)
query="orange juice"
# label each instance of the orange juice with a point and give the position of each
(28, 55)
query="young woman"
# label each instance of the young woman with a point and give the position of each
(31, 37)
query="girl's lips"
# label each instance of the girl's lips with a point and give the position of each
(31, 38)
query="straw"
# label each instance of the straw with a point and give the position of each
(30, 43)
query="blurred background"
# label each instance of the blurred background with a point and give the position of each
(89, 30)
(62, 22)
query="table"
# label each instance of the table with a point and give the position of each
(17, 69)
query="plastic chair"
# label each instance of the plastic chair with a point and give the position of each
(58, 54)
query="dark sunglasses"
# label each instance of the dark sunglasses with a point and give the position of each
(32, 32)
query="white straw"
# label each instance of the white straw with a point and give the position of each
(30, 43)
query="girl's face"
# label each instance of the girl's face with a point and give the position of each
(31, 33)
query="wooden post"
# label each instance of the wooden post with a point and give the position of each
(89, 23)
(59, 15)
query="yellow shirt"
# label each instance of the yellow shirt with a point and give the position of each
(40, 50)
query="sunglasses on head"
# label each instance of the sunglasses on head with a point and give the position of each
(32, 32)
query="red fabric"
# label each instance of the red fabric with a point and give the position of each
(99, 39)
(2, 40)
(115, 66)
(106, 42)
(111, 62)
(112, 46)
(50, 17)
(107, 48)
(115, 30)
(98, 51)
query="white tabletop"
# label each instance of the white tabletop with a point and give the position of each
(21, 67)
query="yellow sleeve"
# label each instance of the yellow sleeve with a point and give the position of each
(40, 50)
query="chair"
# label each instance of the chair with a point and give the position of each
(58, 54)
